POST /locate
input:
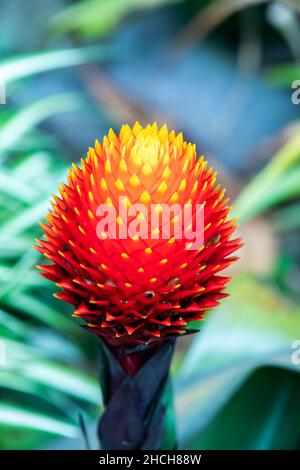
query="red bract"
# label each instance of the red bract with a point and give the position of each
(134, 290)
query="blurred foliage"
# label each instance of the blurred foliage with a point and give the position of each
(247, 332)
(30, 64)
(276, 183)
(92, 18)
(42, 387)
(235, 383)
(284, 74)
(97, 18)
(41, 382)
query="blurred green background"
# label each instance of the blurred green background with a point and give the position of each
(220, 71)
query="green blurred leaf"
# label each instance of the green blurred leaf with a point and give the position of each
(15, 188)
(246, 332)
(26, 119)
(12, 247)
(25, 388)
(33, 167)
(25, 219)
(31, 64)
(18, 417)
(276, 183)
(30, 280)
(287, 218)
(39, 372)
(99, 17)
(35, 365)
(18, 271)
(35, 308)
(283, 74)
(68, 380)
(261, 415)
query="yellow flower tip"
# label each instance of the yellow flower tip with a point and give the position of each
(82, 164)
(166, 172)
(134, 181)
(196, 186)
(119, 185)
(163, 132)
(112, 136)
(147, 169)
(158, 209)
(137, 128)
(182, 185)
(145, 197)
(107, 166)
(98, 147)
(174, 197)
(75, 168)
(123, 166)
(155, 231)
(103, 235)
(140, 216)
(92, 179)
(103, 184)
(126, 202)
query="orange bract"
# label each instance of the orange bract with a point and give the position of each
(138, 289)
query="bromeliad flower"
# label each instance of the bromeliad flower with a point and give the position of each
(131, 290)
(139, 237)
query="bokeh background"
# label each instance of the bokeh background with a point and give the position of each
(220, 71)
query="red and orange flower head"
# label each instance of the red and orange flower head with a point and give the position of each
(136, 289)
